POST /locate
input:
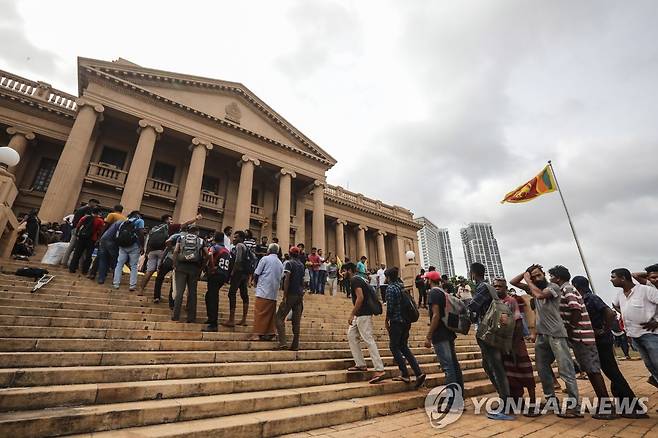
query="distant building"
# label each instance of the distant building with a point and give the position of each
(434, 246)
(446, 262)
(480, 245)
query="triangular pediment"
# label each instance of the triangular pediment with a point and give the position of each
(228, 101)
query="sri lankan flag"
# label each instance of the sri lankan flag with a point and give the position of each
(543, 183)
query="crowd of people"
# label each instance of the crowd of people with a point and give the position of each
(568, 324)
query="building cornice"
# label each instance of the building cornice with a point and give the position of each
(121, 73)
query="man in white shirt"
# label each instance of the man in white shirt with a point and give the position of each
(639, 308)
(382, 281)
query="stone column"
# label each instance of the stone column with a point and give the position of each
(63, 190)
(283, 209)
(190, 203)
(381, 247)
(243, 204)
(18, 142)
(361, 242)
(318, 214)
(340, 239)
(133, 191)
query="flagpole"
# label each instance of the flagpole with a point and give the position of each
(573, 230)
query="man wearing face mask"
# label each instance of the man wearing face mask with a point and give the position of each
(551, 336)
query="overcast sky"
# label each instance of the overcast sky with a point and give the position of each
(439, 106)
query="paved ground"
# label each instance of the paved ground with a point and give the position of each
(415, 423)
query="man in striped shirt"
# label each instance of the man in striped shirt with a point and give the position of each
(581, 336)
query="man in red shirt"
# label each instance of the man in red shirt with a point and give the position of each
(88, 231)
(314, 270)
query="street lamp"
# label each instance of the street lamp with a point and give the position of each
(8, 157)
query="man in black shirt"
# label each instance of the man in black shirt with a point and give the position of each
(261, 248)
(293, 299)
(438, 335)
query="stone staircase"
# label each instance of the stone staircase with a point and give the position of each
(77, 358)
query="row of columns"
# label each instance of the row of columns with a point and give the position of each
(60, 200)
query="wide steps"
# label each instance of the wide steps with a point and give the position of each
(102, 417)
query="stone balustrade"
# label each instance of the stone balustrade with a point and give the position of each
(106, 174)
(357, 199)
(211, 201)
(161, 189)
(38, 90)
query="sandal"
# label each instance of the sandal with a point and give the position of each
(377, 379)
(354, 369)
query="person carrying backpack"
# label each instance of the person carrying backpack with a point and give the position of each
(129, 240)
(155, 245)
(399, 317)
(366, 304)
(492, 357)
(88, 230)
(189, 256)
(239, 274)
(219, 259)
(439, 336)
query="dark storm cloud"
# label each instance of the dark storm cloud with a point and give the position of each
(18, 52)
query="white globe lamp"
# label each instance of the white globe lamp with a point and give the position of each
(410, 255)
(8, 157)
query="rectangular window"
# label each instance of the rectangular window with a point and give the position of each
(163, 172)
(44, 174)
(210, 184)
(255, 197)
(113, 157)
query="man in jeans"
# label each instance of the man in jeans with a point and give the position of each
(492, 358)
(360, 325)
(314, 270)
(108, 251)
(84, 209)
(189, 256)
(293, 299)
(88, 230)
(129, 250)
(551, 337)
(603, 318)
(638, 304)
(218, 264)
(438, 335)
(398, 330)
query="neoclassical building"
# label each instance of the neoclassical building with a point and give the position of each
(163, 142)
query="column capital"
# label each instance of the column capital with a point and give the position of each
(196, 141)
(14, 130)
(246, 158)
(319, 183)
(382, 233)
(285, 171)
(341, 221)
(363, 227)
(145, 123)
(83, 101)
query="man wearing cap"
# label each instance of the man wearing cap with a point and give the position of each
(293, 299)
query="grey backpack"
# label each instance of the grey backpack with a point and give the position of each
(490, 330)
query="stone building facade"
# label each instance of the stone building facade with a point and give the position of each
(163, 142)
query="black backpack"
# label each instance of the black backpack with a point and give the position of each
(408, 308)
(127, 234)
(371, 298)
(86, 228)
(157, 237)
(252, 261)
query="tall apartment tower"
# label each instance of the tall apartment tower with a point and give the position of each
(434, 246)
(480, 245)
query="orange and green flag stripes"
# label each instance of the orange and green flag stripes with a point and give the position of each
(541, 184)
